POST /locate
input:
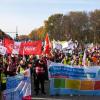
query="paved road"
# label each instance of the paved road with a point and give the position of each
(67, 97)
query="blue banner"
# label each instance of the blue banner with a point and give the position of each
(65, 79)
(17, 87)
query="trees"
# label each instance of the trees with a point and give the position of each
(95, 25)
(37, 34)
(81, 26)
(53, 26)
(23, 38)
(77, 25)
(4, 35)
(61, 27)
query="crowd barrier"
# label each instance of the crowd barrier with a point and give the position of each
(65, 79)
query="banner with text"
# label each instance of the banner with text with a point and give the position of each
(31, 48)
(22, 48)
(65, 79)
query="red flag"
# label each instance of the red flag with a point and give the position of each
(9, 44)
(47, 46)
(31, 48)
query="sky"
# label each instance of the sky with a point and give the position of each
(27, 15)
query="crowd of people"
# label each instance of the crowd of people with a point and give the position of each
(11, 65)
(80, 56)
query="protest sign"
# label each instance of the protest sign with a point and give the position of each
(31, 48)
(3, 50)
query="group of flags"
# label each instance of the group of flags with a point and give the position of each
(9, 46)
(27, 48)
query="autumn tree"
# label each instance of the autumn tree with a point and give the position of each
(23, 38)
(53, 26)
(77, 25)
(37, 34)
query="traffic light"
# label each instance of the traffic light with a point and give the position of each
(17, 37)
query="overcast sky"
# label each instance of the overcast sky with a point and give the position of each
(30, 14)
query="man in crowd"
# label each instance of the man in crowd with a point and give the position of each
(39, 77)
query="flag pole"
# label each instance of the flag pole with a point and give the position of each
(3, 45)
(23, 53)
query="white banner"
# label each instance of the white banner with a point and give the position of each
(1, 42)
(16, 48)
(3, 50)
(58, 46)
